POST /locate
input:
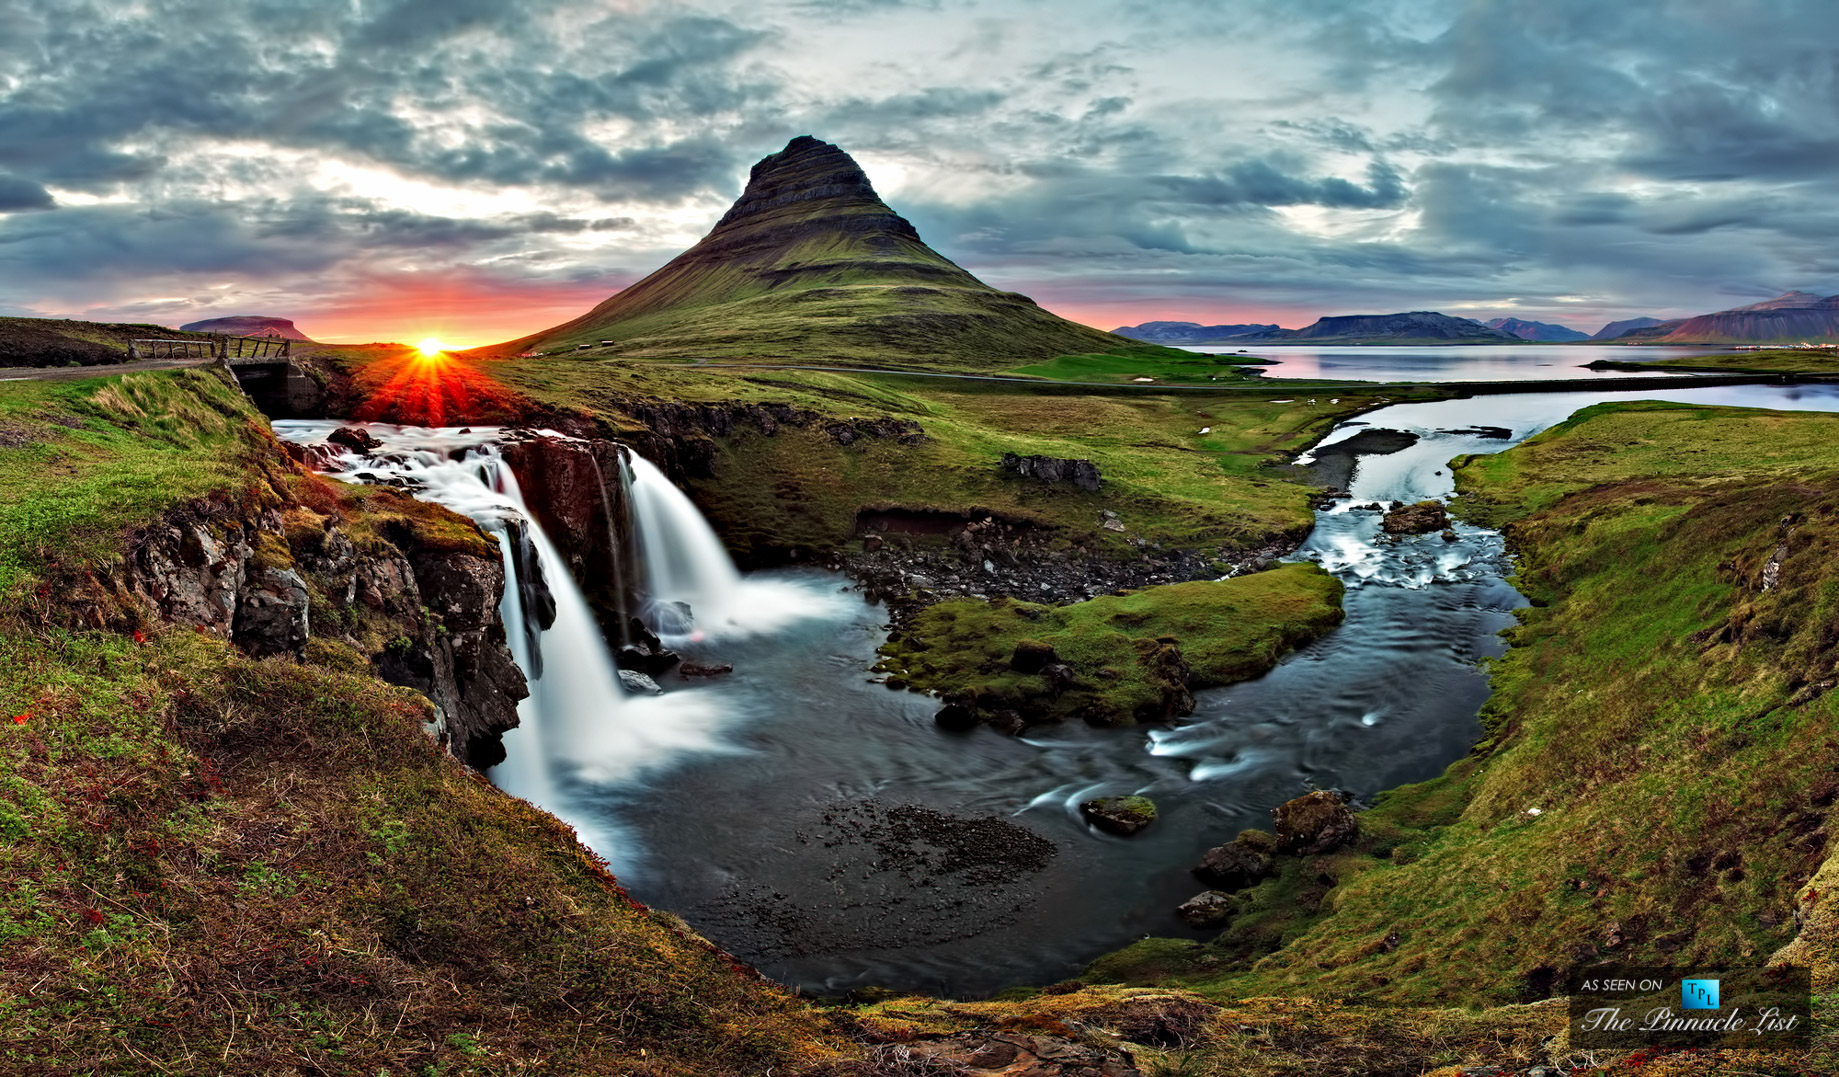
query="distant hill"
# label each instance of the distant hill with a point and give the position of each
(1526, 330)
(62, 342)
(1623, 327)
(810, 265)
(248, 325)
(1177, 333)
(1414, 327)
(1789, 318)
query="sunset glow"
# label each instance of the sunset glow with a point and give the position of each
(430, 348)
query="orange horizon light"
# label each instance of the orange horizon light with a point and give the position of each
(430, 347)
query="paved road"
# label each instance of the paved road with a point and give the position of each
(65, 373)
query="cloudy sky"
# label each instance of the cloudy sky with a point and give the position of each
(479, 169)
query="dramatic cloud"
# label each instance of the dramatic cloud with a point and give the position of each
(487, 167)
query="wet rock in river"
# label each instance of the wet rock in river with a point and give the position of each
(1419, 519)
(701, 669)
(1240, 863)
(1123, 816)
(355, 438)
(1209, 908)
(635, 681)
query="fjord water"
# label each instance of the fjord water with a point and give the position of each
(740, 803)
(1453, 362)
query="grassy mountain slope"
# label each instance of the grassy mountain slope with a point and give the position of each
(810, 265)
(28, 342)
(1667, 707)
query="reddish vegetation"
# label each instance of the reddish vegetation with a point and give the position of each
(435, 391)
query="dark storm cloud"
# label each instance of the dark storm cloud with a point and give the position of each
(1658, 154)
(17, 194)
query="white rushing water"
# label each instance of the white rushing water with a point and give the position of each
(580, 733)
(686, 565)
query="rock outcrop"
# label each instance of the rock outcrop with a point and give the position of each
(1081, 473)
(280, 581)
(1210, 908)
(1314, 823)
(1241, 863)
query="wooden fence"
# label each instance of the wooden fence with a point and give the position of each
(212, 348)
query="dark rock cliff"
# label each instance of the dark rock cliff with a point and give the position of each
(282, 580)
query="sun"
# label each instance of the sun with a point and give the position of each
(431, 348)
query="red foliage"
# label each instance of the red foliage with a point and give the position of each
(21, 719)
(139, 636)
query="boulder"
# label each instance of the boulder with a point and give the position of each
(1207, 909)
(700, 669)
(1240, 863)
(355, 438)
(1449, 534)
(635, 681)
(1123, 816)
(1081, 473)
(956, 716)
(1419, 519)
(1314, 823)
(648, 658)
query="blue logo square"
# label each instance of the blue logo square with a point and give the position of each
(1698, 994)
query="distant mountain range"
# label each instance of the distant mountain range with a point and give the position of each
(1413, 327)
(1789, 318)
(1178, 333)
(1623, 327)
(1526, 330)
(809, 264)
(248, 325)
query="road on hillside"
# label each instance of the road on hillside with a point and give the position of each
(66, 373)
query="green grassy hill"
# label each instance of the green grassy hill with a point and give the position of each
(29, 342)
(1658, 770)
(811, 266)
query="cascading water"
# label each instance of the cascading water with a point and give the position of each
(579, 732)
(694, 590)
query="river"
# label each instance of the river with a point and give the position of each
(822, 827)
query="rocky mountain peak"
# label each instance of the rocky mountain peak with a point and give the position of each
(807, 170)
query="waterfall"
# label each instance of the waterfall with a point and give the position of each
(580, 735)
(694, 591)
(686, 565)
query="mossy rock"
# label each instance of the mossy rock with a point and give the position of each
(1123, 816)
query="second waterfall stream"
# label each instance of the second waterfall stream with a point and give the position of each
(580, 732)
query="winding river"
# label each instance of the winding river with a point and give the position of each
(822, 827)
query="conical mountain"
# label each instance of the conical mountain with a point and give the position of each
(810, 265)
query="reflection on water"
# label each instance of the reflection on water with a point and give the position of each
(1458, 362)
